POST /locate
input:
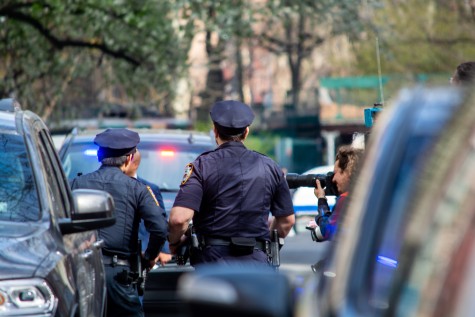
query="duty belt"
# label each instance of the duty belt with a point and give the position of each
(260, 244)
(114, 260)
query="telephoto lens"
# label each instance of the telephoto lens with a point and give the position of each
(309, 180)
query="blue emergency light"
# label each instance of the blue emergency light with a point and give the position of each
(90, 152)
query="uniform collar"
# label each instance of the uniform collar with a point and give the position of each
(232, 144)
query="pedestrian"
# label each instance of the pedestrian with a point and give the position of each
(464, 74)
(133, 201)
(228, 193)
(347, 161)
(164, 256)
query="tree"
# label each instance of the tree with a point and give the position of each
(420, 37)
(296, 28)
(224, 23)
(47, 45)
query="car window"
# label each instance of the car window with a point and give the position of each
(59, 182)
(164, 164)
(55, 194)
(18, 194)
(81, 158)
(386, 253)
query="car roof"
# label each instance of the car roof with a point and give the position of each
(181, 136)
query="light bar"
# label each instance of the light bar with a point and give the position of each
(167, 153)
(90, 152)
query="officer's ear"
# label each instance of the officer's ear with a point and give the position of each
(128, 159)
(246, 133)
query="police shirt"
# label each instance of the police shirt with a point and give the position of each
(132, 200)
(232, 190)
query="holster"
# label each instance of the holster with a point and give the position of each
(242, 246)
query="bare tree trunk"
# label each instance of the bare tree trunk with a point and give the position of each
(214, 90)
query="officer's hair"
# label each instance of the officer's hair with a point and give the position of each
(114, 161)
(465, 73)
(349, 158)
(237, 137)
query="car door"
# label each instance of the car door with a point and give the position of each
(83, 248)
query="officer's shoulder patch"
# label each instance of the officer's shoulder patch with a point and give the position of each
(188, 172)
(153, 195)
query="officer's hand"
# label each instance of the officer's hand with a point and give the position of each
(318, 191)
(163, 258)
(176, 246)
(147, 264)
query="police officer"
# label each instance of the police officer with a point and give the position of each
(133, 201)
(228, 193)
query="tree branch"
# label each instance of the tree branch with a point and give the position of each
(62, 43)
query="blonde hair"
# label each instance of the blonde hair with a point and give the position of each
(349, 158)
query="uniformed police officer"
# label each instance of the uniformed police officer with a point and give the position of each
(133, 201)
(228, 193)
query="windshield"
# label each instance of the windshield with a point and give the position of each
(18, 196)
(163, 163)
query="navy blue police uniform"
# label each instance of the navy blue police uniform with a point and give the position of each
(133, 201)
(232, 191)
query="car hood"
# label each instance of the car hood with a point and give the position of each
(23, 248)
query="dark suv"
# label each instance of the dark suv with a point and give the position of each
(50, 258)
(165, 154)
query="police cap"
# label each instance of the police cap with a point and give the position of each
(116, 142)
(231, 117)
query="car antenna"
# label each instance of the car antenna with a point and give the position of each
(380, 78)
(371, 113)
(191, 139)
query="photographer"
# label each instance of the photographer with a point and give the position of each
(346, 163)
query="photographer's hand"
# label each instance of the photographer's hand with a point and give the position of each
(318, 191)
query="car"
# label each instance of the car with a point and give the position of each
(306, 203)
(50, 259)
(405, 243)
(165, 153)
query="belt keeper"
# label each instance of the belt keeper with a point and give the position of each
(114, 260)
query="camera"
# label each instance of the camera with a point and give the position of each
(309, 180)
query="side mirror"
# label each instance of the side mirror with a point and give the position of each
(94, 209)
(236, 291)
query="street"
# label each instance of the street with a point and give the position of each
(299, 253)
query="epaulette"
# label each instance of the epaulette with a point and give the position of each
(204, 153)
(260, 153)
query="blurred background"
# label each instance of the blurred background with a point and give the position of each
(307, 68)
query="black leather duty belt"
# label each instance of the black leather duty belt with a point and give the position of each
(260, 244)
(114, 260)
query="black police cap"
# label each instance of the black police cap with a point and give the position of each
(116, 142)
(231, 116)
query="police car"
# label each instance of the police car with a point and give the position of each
(306, 203)
(165, 153)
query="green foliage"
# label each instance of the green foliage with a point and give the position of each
(44, 44)
(264, 143)
(418, 37)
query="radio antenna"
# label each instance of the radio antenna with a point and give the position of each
(381, 93)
